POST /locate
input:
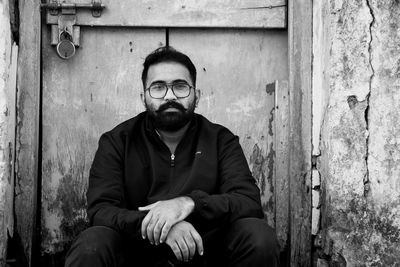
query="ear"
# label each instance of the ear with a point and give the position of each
(142, 98)
(198, 94)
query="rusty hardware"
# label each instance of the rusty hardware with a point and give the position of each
(65, 35)
(264, 7)
(65, 47)
(56, 7)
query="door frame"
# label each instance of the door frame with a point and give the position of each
(28, 136)
(300, 133)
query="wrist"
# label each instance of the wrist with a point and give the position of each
(189, 204)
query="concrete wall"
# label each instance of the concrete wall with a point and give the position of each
(358, 146)
(7, 126)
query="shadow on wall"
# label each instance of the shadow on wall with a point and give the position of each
(15, 252)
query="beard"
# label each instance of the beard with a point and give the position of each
(170, 121)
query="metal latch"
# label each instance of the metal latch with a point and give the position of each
(65, 35)
(55, 7)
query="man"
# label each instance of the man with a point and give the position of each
(170, 188)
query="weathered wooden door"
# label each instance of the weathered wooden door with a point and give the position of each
(238, 47)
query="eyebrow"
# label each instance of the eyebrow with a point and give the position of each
(174, 81)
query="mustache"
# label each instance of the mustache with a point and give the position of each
(171, 104)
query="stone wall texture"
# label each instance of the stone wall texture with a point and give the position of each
(360, 136)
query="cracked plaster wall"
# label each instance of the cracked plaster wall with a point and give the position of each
(359, 142)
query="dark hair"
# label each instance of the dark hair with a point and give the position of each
(168, 54)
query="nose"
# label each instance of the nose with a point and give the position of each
(170, 94)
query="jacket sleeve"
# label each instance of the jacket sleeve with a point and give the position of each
(239, 196)
(105, 195)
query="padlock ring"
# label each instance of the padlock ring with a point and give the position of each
(65, 49)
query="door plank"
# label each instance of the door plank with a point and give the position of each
(27, 138)
(185, 13)
(282, 162)
(83, 97)
(233, 68)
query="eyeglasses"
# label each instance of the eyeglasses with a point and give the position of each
(159, 90)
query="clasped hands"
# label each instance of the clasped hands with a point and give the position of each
(164, 222)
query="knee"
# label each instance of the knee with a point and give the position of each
(96, 239)
(96, 243)
(257, 235)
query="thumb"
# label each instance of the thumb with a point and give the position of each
(148, 207)
(199, 242)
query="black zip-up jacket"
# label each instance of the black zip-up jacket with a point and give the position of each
(133, 167)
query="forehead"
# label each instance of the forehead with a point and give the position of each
(167, 72)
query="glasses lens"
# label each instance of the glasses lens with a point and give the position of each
(157, 90)
(181, 89)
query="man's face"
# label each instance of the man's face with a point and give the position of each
(170, 113)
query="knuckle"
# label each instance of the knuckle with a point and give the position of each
(162, 237)
(166, 228)
(149, 234)
(177, 253)
(192, 246)
(184, 250)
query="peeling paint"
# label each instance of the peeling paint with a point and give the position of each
(271, 122)
(270, 88)
(352, 101)
(271, 167)
(64, 189)
(257, 161)
(262, 167)
(71, 198)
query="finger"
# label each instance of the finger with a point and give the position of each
(165, 231)
(150, 229)
(184, 249)
(191, 246)
(157, 231)
(177, 251)
(199, 242)
(145, 223)
(148, 207)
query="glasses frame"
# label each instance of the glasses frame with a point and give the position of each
(170, 86)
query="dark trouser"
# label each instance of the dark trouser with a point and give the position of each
(247, 242)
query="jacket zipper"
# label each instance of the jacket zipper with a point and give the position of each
(172, 160)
